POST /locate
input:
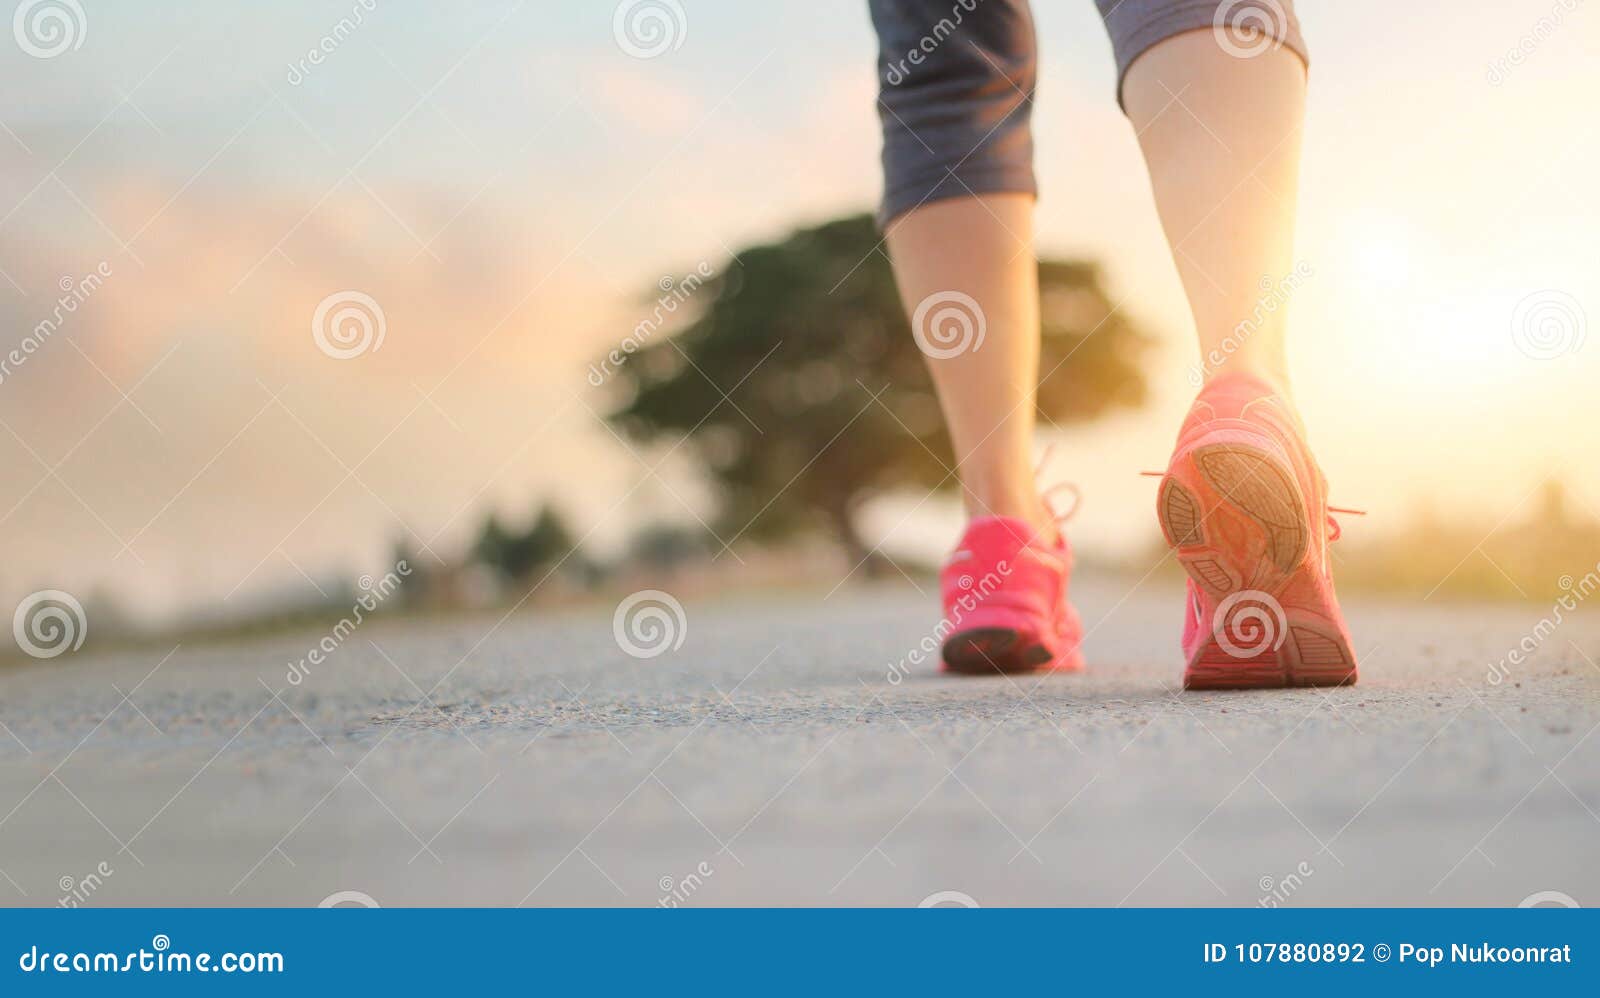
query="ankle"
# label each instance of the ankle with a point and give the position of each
(1015, 504)
(1271, 372)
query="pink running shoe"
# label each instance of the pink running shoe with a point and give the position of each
(1244, 506)
(1005, 602)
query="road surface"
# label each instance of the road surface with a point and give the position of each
(769, 758)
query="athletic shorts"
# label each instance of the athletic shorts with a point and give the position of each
(956, 82)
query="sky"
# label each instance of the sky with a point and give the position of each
(508, 184)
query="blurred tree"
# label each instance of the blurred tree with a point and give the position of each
(664, 546)
(420, 580)
(802, 335)
(516, 555)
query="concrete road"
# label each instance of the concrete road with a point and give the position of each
(769, 759)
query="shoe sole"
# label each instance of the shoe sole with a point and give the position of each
(989, 651)
(1233, 514)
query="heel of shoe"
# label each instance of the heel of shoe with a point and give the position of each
(1234, 516)
(1232, 512)
(989, 651)
(996, 640)
(1258, 648)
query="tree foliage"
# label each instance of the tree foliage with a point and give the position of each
(828, 400)
(516, 554)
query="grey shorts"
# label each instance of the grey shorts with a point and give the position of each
(956, 83)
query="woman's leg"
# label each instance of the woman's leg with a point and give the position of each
(980, 247)
(957, 89)
(1216, 91)
(958, 206)
(1218, 109)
